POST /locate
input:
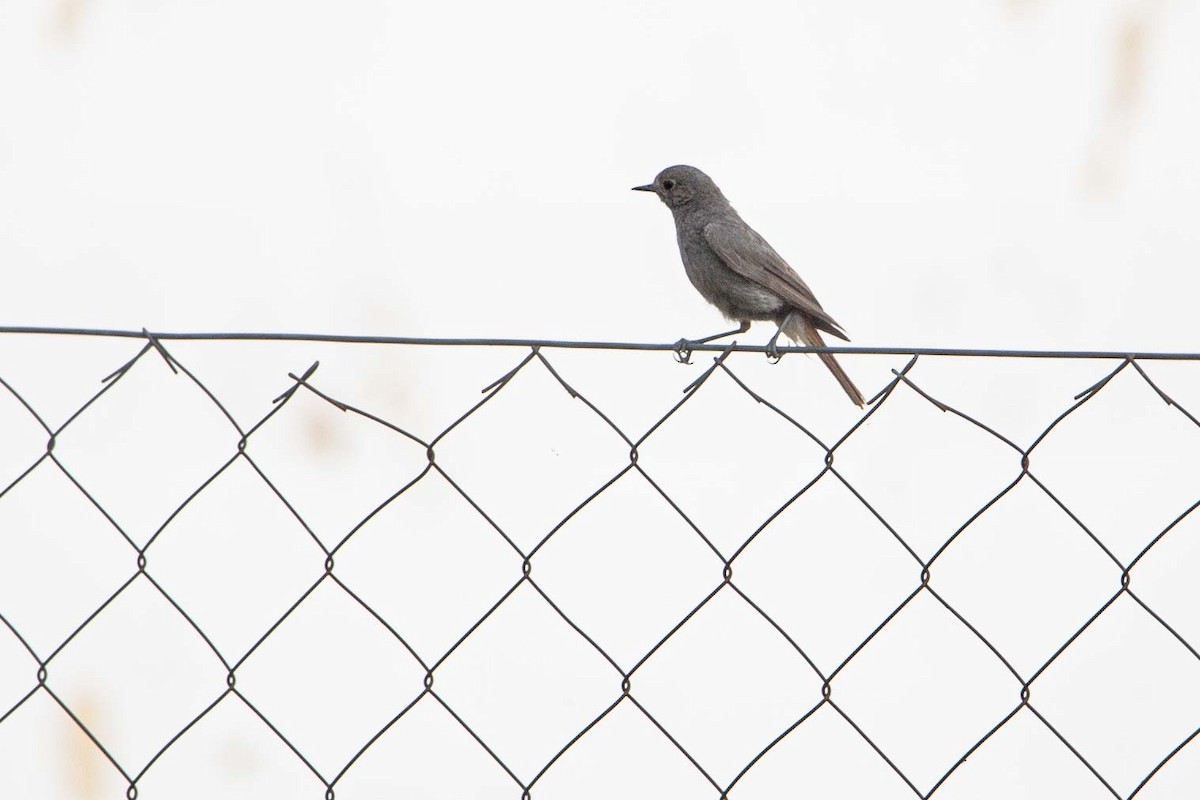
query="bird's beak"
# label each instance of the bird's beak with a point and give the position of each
(649, 187)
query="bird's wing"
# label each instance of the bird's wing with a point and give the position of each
(749, 255)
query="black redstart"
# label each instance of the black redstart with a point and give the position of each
(738, 272)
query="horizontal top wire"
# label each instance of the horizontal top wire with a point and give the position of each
(574, 345)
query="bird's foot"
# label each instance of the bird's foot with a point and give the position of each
(683, 351)
(773, 354)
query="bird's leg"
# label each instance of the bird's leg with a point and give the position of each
(742, 328)
(683, 348)
(772, 346)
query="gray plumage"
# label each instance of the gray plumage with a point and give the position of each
(737, 271)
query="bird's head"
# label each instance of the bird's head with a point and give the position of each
(682, 185)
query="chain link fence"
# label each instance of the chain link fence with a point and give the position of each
(743, 626)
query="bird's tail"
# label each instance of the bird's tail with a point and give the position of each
(799, 329)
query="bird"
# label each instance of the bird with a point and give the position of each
(736, 270)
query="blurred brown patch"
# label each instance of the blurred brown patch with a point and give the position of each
(66, 19)
(1106, 155)
(322, 436)
(84, 761)
(1129, 62)
(1019, 6)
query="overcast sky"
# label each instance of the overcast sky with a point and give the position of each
(999, 174)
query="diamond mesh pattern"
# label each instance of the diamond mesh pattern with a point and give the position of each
(808, 640)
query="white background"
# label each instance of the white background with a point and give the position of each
(1016, 174)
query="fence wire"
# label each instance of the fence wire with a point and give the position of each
(529, 355)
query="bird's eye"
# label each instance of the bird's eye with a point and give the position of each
(668, 184)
